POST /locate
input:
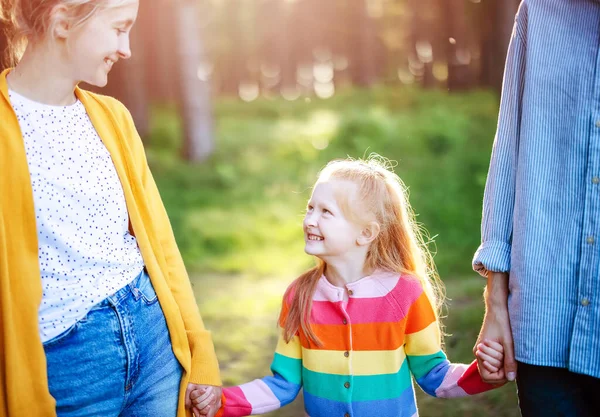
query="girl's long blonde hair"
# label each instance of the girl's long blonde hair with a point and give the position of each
(31, 20)
(399, 247)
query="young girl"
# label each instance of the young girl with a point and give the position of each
(97, 314)
(357, 327)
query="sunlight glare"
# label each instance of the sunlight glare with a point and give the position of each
(290, 93)
(304, 75)
(424, 51)
(440, 71)
(323, 72)
(324, 90)
(249, 91)
(205, 71)
(405, 76)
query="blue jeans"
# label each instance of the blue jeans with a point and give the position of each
(117, 361)
(556, 392)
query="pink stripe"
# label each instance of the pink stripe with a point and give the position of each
(389, 307)
(367, 310)
(236, 403)
(325, 312)
(260, 396)
(449, 387)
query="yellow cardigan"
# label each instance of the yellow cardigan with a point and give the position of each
(23, 378)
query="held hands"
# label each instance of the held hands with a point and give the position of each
(490, 356)
(203, 400)
(496, 330)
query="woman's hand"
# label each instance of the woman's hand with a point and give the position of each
(496, 328)
(204, 400)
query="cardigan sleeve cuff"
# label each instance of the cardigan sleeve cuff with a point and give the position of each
(492, 256)
(205, 367)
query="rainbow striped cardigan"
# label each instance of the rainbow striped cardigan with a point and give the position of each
(373, 343)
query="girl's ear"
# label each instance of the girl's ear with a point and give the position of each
(60, 15)
(369, 233)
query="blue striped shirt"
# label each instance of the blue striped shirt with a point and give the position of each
(541, 210)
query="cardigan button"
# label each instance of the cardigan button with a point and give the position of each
(346, 353)
(346, 385)
(344, 321)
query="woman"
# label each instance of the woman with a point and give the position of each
(97, 313)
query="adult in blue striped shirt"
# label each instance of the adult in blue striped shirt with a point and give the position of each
(541, 212)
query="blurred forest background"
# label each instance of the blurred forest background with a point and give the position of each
(241, 102)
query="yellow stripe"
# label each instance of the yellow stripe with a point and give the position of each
(292, 349)
(425, 342)
(358, 363)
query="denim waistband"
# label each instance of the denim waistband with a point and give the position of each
(131, 289)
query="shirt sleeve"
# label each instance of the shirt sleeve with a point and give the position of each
(427, 361)
(271, 392)
(498, 202)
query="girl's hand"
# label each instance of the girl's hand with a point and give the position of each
(491, 355)
(204, 400)
(496, 327)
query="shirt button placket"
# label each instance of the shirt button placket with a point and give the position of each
(346, 354)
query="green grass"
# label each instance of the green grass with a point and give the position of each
(237, 217)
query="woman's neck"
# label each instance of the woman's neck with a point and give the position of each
(41, 76)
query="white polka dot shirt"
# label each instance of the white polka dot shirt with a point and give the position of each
(86, 252)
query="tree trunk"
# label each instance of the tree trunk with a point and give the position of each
(499, 16)
(457, 50)
(235, 56)
(421, 48)
(361, 36)
(161, 57)
(194, 93)
(487, 30)
(505, 12)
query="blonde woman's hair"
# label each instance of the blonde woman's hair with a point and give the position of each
(31, 20)
(400, 246)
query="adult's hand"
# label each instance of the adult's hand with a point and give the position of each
(203, 400)
(496, 327)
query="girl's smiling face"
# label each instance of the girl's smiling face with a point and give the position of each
(328, 230)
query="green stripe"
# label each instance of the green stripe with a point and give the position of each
(421, 365)
(289, 368)
(362, 388)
